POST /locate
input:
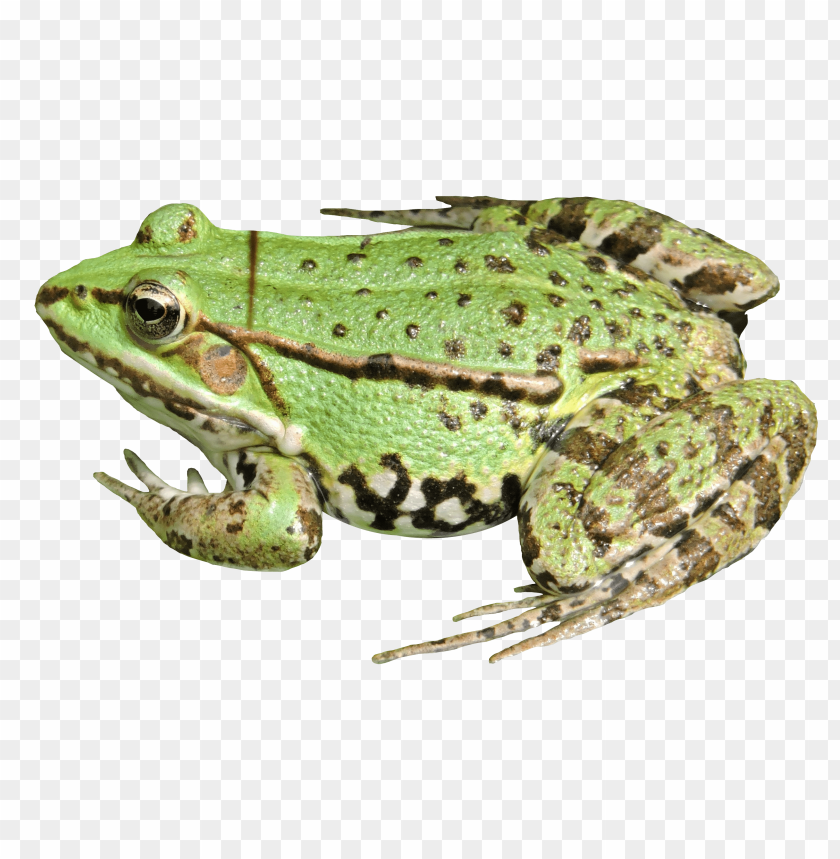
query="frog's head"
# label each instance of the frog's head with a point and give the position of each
(136, 315)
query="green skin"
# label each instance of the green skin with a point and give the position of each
(573, 362)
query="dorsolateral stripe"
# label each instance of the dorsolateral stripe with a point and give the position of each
(539, 389)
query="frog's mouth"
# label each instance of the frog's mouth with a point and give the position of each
(201, 423)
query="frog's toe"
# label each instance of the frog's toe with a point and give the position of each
(195, 483)
(127, 493)
(541, 609)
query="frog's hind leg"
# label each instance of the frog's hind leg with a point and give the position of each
(464, 213)
(610, 526)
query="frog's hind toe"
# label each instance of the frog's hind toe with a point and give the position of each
(541, 609)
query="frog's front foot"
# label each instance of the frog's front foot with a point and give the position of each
(635, 503)
(270, 521)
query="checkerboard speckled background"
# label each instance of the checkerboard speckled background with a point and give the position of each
(151, 705)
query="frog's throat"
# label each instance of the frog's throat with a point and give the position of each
(194, 416)
(540, 389)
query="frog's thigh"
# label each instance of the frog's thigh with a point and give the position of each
(273, 522)
(692, 492)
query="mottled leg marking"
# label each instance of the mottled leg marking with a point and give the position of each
(652, 546)
(268, 517)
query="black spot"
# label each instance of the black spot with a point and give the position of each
(501, 265)
(382, 314)
(364, 293)
(455, 349)
(557, 279)
(431, 294)
(547, 359)
(356, 258)
(247, 469)
(464, 300)
(580, 331)
(339, 330)
(81, 291)
(478, 409)
(596, 264)
(461, 267)
(556, 300)
(412, 331)
(596, 305)
(515, 313)
(445, 242)
(308, 265)
(505, 349)
(414, 262)
(451, 422)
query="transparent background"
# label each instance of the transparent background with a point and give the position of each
(151, 705)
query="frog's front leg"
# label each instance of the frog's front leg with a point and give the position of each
(269, 517)
(610, 528)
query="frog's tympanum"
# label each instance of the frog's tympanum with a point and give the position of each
(571, 362)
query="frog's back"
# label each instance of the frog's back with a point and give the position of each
(495, 301)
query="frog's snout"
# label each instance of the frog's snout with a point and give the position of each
(47, 296)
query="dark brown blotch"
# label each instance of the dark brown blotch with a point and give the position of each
(799, 441)
(186, 232)
(570, 221)
(144, 235)
(454, 348)
(596, 264)
(580, 331)
(717, 279)
(528, 541)
(634, 239)
(451, 422)
(515, 313)
(500, 265)
(764, 479)
(606, 360)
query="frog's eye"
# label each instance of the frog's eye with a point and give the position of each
(153, 312)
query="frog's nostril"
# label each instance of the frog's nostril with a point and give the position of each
(81, 291)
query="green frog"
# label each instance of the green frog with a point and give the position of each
(572, 362)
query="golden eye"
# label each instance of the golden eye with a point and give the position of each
(153, 312)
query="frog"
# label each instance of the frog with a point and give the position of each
(573, 363)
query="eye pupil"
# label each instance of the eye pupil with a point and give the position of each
(148, 309)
